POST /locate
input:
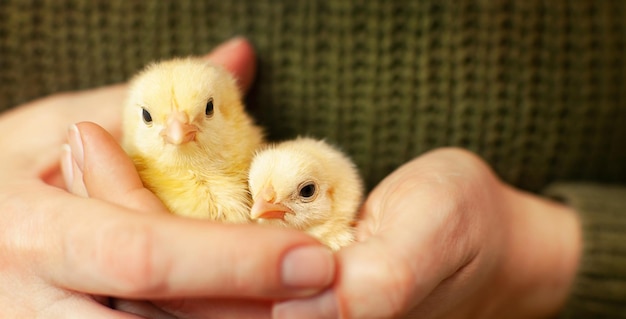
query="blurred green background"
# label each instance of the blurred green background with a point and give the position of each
(535, 87)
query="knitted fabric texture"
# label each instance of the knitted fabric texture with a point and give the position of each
(534, 87)
(599, 291)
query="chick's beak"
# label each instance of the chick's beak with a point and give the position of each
(265, 206)
(262, 209)
(178, 130)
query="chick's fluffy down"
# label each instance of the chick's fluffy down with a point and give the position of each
(191, 139)
(309, 185)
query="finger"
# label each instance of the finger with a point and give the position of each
(370, 284)
(408, 245)
(236, 55)
(41, 125)
(104, 105)
(79, 308)
(142, 308)
(100, 248)
(218, 308)
(107, 172)
(25, 295)
(197, 308)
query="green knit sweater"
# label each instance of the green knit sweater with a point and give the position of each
(537, 88)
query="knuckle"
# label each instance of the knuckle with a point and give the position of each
(14, 242)
(389, 291)
(397, 287)
(401, 284)
(126, 256)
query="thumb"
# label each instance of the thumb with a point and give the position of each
(372, 283)
(412, 238)
(107, 172)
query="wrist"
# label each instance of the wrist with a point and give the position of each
(542, 255)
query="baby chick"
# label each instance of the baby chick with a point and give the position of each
(308, 185)
(187, 131)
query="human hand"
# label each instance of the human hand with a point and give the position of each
(442, 237)
(58, 251)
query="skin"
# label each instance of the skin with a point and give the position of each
(441, 237)
(490, 251)
(59, 251)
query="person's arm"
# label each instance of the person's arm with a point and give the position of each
(599, 290)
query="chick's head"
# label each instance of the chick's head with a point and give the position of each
(303, 183)
(182, 108)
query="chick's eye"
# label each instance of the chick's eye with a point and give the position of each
(307, 191)
(209, 107)
(147, 118)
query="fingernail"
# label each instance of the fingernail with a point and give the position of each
(66, 166)
(76, 145)
(323, 306)
(308, 267)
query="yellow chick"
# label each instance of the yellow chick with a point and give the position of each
(308, 185)
(186, 129)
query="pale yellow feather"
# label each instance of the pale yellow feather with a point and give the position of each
(330, 217)
(205, 178)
